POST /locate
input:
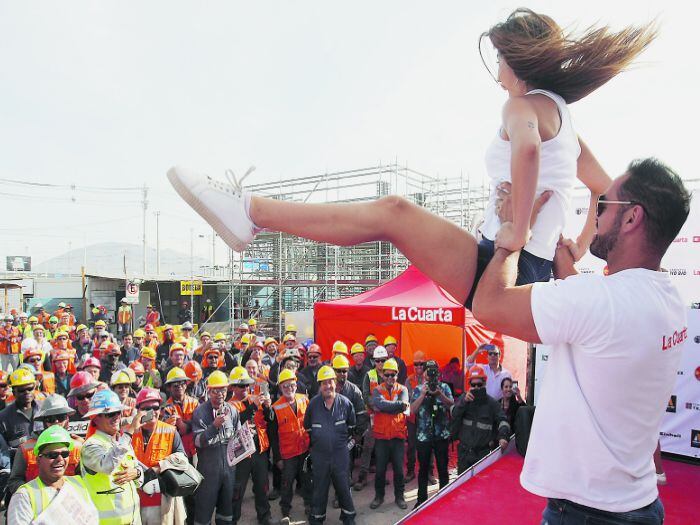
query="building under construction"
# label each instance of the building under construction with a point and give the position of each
(280, 272)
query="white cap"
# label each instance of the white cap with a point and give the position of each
(380, 351)
(23, 314)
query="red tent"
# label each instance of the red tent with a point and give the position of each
(420, 315)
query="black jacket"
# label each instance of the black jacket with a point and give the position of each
(478, 424)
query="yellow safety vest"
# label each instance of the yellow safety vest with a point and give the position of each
(116, 504)
(38, 497)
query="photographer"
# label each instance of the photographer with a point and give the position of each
(431, 402)
(477, 419)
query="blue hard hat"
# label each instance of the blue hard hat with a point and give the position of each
(104, 402)
(308, 343)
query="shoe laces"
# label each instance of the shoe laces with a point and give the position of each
(235, 182)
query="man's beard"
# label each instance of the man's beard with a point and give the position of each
(603, 244)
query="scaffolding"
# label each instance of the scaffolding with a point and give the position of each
(280, 272)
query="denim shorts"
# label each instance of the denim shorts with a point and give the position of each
(564, 512)
(531, 269)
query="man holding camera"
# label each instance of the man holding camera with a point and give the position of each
(431, 402)
(476, 419)
(495, 373)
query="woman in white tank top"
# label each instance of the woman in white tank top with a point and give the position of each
(542, 69)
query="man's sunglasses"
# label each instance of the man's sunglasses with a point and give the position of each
(3, 385)
(603, 203)
(495, 352)
(82, 397)
(379, 360)
(476, 385)
(419, 364)
(389, 375)
(59, 418)
(111, 415)
(54, 454)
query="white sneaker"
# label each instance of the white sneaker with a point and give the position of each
(224, 206)
(661, 478)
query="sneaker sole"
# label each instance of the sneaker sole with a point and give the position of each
(202, 210)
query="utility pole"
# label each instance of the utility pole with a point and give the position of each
(157, 214)
(213, 250)
(192, 274)
(145, 207)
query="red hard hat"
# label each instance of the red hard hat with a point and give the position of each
(475, 372)
(110, 348)
(193, 371)
(137, 367)
(148, 394)
(61, 355)
(148, 328)
(92, 361)
(82, 382)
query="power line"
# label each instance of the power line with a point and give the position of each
(70, 186)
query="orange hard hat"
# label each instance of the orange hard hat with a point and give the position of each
(475, 372)
(193, 371)
(137, 367)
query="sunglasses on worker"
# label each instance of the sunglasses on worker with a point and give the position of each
(390, 375)
(55, 454)
(58, 418)
(82, 397)
(476, 384)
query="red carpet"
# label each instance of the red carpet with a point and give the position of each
(495, 496)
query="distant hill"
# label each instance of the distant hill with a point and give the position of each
(108, 258)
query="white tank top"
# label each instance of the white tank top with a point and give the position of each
(557, 173)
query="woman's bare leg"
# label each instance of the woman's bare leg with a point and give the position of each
(439, 248)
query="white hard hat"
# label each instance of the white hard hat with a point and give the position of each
(380, 351)
(23, 314)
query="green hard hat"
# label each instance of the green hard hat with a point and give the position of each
(53, 434)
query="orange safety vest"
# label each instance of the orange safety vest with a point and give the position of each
(185, 411)
(48, 382)
(130, 404)
(13, 342)
(293, 438)
(124, 315)
(43, 319)
(30, 460)
(260, 424)
(159, 447)
(389, 426)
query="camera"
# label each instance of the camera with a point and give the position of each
(432, 374)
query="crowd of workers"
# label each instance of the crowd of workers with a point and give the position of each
(128, 421)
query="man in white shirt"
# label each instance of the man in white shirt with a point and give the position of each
(495, 373)
(616, 349)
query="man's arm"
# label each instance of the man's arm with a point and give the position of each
(384, 405)
(499, 304)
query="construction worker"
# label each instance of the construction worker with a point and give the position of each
(52, 450)
(61, 377)
(152, 377)
(205, 343)
(82, 388)
(371, 381)
(211, 362)
(109, 361)
(255, 467)
(290, 329)
(152, 316)
(371, 342)
(330, 421)
(152, 441)
(190, 341)
(108, 462)
(197, 387)
(120, 383)
(10, 339)
(341, 366)
(93, 366)
(180, 407)
(4, 389)
(289, 341)
(163, 350)
(412, 382)
(39, 334)
(59, 310)
(359, 368)
(309, 373)
(476, 419)
(17, 418)
(124, 317)
(130, 352)
(292, 362)
(207, 311)
(392, 345)
(54, 411)
(83, 343)
(214, 423)
(270, 356)
(31, 353)
(139, 374)
(23, 325)
(42, 315)
(391, 406)
(152, 340)
(68, 310)
(289, 441)
(101, 334)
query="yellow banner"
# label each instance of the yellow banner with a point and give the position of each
(190, 287)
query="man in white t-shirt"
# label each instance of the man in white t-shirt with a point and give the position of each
(495, 373)
(616, 348)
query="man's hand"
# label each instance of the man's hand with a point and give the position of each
(469, 397)
(280, 464)
(219, 420)
(507, 238)
(503, 444)
(504, 210)
(126, 475)
(563, 264)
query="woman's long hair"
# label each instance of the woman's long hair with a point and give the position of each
(541, 54)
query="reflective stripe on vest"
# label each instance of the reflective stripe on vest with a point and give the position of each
(389, 426)
(39, 499)
(160, 445)
(32, 468)
(293, 438)
(118, 508)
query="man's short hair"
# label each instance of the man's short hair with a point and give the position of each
(661, 193)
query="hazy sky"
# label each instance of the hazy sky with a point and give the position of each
(112, 93)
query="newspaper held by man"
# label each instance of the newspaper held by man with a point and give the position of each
(240, 446)
(68, 507)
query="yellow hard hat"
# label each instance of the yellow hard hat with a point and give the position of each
(286, 375)
(289, 337)
(100, 323)
(204, 334)
(390, 340)
(245, 339)
(139, 333)
(33, 319)
(240, 376)
(340, 361)
(219, 337)
(270, 340)
(253, 322)
(340, 348)
(21, 377)
(418, 356)
(371, 338)
(80, 327)
(148, 352)
(175, 347)
(391, 364)
(217, 379)
(120, 378)
(176, 374)
(325, 372)
(357, 348)
(291, 328)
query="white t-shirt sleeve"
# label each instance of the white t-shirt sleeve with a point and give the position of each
(576, 310)
(20, 510)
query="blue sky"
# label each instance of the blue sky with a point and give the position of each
(113, 93)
